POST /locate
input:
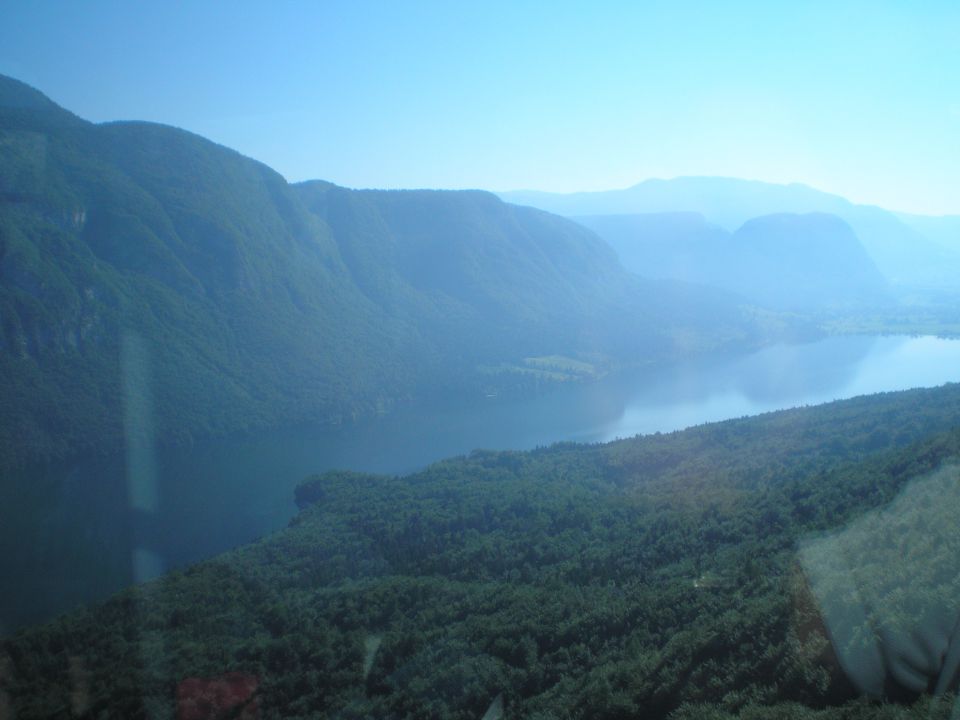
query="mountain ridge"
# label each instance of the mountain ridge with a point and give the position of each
(801, 262)
(263, 302)
(903, 254)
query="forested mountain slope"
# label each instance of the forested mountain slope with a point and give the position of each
(255, 303)
(658, 576)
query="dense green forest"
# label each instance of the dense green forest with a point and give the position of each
(260, 303)
(683, 575)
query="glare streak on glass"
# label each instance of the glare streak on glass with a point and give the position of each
(142, 488)
(888, 586)
(138, 423)
(140, 436)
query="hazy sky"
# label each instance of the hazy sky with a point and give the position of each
(857, 98)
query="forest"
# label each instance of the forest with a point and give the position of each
(702, 573)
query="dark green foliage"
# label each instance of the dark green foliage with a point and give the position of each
(650, 577)
(315, 489)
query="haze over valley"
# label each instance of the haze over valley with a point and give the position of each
(302, 414)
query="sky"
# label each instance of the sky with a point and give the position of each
(857, 98)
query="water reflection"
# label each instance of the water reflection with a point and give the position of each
(80, 539)
(780, 377)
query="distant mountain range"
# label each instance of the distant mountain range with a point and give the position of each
(908, 250)
(136, 253)
(786, 261)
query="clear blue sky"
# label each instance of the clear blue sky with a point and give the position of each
(857, 98)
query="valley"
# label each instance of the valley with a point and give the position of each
(283, 449)
(657, 574)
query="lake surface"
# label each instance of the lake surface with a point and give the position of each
(76, 546)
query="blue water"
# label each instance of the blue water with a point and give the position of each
(781, 377)
(80, 538)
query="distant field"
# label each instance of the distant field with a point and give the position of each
(551, 368)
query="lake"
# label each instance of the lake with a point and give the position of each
(75, 546)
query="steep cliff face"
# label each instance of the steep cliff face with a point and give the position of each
(803, 261)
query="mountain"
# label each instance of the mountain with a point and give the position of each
(682, 245)
(902, 253)
(142, 261)
(805, 261)
(728, 202)
(785, 261)
(729, 570)
(944, 230)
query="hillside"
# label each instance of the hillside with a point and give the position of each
(804, 262)
(665, 245)
(135, 252)
(811, 260)
(677, 575)
(901, 250)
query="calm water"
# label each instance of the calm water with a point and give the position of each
(208, 498)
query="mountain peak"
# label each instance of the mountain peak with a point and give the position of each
(16, 94)
(17, 98)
